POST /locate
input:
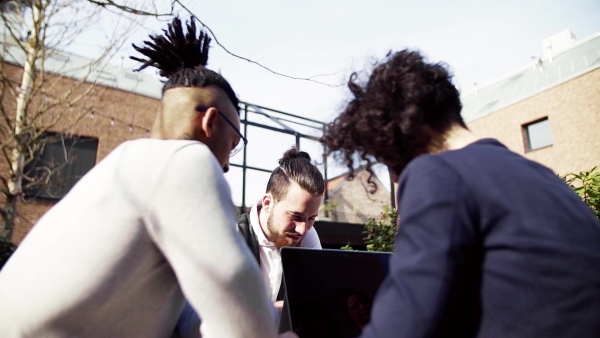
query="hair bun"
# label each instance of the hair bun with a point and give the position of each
(294, 154)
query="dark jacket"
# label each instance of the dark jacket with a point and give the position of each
(489, 244)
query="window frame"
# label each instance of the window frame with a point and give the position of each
(527, 136)
(46, 162)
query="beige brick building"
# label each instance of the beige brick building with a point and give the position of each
(121, 106)
(357, 200)
(549, 111)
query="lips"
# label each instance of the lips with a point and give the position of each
(295, 238)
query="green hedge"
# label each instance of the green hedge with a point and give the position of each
(587, 185)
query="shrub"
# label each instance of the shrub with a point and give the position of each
(380, 233)
(347, 247)
(330, 209)
(587, 185)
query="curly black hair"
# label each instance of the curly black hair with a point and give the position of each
(385, 120)
(182, 59)
(295, 166)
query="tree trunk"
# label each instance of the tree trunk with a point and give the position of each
(8, 223)
(15, 186)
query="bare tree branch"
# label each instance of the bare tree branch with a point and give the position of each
(109, 3)
(41, 97)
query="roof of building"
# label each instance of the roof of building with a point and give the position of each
(564, 59)
(337, 182)
(93, 71)
(334, 182)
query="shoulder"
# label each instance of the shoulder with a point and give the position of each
(160, 147)
(311, 240)
(457, 163)
(186, 165)
(155, 153)
(429, 167)
(185, 148)
(190, 155)
(430, 179)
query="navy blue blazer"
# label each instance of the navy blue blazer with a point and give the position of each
(489, 244)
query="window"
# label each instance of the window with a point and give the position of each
(58, 164)
(537, 134)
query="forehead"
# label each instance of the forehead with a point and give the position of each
(299, 200)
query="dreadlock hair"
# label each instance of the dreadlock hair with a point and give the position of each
(182, 59)
(384, 121)
(295, 166)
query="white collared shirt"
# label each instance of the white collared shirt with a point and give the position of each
(270, 258)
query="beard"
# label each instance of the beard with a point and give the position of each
(281, 239)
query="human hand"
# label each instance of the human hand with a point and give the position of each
(279, 306)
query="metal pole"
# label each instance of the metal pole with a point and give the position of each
(392, 193)
(243, 206)
(325, 167)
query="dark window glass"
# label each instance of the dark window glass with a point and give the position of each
(58, 164)
(537, 134)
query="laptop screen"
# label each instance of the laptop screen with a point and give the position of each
(329, 292)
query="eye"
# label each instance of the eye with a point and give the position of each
(236, 148)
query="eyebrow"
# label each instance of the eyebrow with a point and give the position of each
(296, 213)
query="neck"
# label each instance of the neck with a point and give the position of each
(455, 138)
(263, 218)
(458, 137)
(169, 127)
(162, 133)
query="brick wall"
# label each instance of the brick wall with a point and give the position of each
(356, 200)
(573, 110)
(126, 108)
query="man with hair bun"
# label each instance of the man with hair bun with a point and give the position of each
(286, 213)
(489, 243)
(283, 216)
(151, 223)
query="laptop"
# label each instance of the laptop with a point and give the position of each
(329, 293)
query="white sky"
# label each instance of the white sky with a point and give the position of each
(481, 40)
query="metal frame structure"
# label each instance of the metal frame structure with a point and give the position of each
(282, 120)
(283, 124)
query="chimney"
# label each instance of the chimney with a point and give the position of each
(557, 44)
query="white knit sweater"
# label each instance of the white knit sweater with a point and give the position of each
(111, 259)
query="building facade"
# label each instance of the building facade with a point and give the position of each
(548, 111)
(356, 200)
(118, 105)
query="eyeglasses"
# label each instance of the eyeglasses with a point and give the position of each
(240, 145)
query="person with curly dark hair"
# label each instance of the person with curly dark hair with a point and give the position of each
(151, 225)
(489, 243)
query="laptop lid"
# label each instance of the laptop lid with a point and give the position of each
(329, 292)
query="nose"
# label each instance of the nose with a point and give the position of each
(301, 228)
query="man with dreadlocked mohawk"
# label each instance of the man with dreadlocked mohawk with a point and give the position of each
(197, 102)
(152, 222)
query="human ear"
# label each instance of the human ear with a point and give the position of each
(267, 201)
(208, 121)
